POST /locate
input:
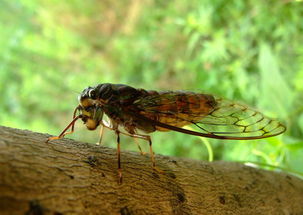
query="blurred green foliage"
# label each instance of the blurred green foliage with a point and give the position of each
(250, 51)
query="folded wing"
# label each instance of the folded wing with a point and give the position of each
(210, 117)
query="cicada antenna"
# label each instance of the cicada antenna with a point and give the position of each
(75, 92)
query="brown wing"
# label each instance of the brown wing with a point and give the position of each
(176, 108)
(213, 118)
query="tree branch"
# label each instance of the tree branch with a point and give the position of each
(69, 177)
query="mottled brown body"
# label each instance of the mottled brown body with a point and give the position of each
(148, 111)
(138, 110)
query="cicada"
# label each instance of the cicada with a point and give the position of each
(138, 112)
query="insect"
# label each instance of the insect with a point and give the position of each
(140, 112)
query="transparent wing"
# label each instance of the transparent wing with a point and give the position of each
(234, 120)
(226, 120)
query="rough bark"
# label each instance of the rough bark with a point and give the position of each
(69, 177)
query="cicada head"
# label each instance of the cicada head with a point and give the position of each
(91, 116)
(90, 107)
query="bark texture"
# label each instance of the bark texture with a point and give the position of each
(69, 177)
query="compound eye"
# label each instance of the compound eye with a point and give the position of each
(92, 94)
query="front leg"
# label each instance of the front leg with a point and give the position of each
(101, 132)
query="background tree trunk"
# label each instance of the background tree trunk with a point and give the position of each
(69, 177)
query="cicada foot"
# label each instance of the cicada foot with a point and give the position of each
(119, 176)
(158, 170)
(52, 138)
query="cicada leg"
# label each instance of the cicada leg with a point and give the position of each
(100, 135)
(152, 156)
(71, 124)
(140, 136)
(118, 157)
(139, 147)
(107, 125)
(63, 133)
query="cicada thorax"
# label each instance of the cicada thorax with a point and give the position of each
(179, 108)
